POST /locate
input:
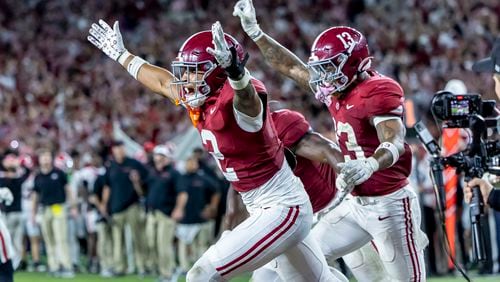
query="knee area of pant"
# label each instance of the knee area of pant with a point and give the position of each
(203, 270)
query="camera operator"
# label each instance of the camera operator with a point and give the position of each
(490, 195)
(489, 65)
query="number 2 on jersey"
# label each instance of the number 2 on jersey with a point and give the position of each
(208, 136)
(351, 143)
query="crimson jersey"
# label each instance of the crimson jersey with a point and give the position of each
(318, 178)
(376, 96)
(247, 159)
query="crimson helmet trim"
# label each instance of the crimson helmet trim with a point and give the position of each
(332, 69)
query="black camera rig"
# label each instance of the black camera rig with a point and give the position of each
(481, 155)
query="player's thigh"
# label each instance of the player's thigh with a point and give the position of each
(263, 236)
(400, 241)
(338, 233)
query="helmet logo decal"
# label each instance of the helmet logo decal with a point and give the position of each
(346, 39)
(313, 58)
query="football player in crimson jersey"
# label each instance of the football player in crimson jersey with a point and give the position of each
(318, 178)
(367, 109)
(229, 109)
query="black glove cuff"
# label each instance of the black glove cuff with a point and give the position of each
(237, 68)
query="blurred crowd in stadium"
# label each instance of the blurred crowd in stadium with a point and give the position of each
(58, 92)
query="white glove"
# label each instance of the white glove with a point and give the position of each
(340, 182)
(108, 39)
(246, 12)
(6, 196)
(221, 51)
(356, 172)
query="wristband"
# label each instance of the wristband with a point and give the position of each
(123, 57)
(391, 148)
(254, 32)
(242, 83)
(134, 66)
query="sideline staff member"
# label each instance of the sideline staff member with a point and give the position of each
(52, 191)
(122, 192)
(165, 201)
(490, 65)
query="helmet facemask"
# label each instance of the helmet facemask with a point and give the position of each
(326, 76)
(192, 93)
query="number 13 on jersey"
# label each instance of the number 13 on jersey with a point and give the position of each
(208, 136)
(351, 144)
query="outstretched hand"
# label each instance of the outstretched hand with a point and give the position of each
(226, 56)
(245, 10)
(107, 39)
(221, 49)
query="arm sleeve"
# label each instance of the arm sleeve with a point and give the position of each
(248, 123)
(385, 99)
(107, 177)
(494, 199)
(177, 180)
(291, 126)
(180, 183)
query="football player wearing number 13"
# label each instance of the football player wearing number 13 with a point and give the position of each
(367, 110)
(229, 109)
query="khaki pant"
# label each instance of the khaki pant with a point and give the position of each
(55, 235)
(15, 225)
(132, 216)
(189, 252)
(160, 234)
(104, 246)
(205, 238)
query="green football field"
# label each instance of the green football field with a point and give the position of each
(43, 277)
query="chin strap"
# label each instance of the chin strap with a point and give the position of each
(194, 113)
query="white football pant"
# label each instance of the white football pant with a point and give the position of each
(391, 222)
(280, 219)
(364, 263)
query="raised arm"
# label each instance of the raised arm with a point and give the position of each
(245, 99)
(109, 40)
(279, 57)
